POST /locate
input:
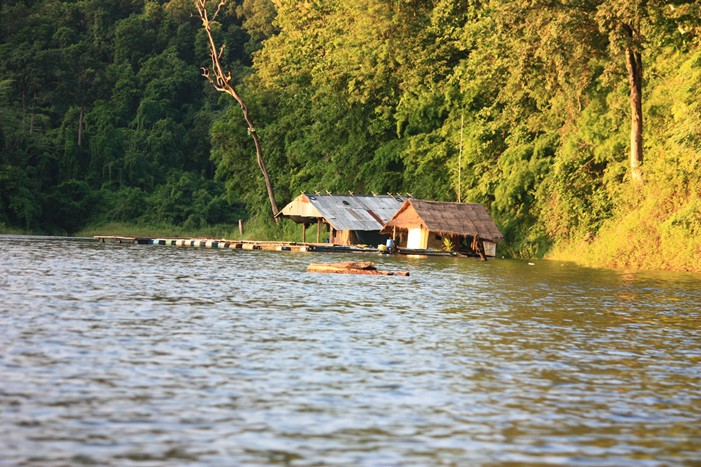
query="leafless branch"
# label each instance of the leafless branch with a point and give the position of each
(222, 81)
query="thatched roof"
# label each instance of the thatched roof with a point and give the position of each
(445, 219)
(344, 212)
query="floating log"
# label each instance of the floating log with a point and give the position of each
(366, 268)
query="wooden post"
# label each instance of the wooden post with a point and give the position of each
(478, 247)
(462, 124)
(304, 233)
(318, 231)
(241, 227)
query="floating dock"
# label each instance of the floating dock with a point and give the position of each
(269, 245)
(238, 244)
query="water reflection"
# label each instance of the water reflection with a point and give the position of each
(125, 354)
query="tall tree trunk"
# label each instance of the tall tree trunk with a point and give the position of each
(222, 82)
(24, 111)
(634, 64)
(81, 117)
(31, 116)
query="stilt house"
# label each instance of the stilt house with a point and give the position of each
(435, 225)
(351, 219)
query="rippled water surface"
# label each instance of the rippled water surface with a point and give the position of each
(155, 355)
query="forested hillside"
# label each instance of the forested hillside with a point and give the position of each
(522, 105)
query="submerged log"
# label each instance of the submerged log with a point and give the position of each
(366, 268)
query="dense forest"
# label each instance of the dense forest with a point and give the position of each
(577, 123)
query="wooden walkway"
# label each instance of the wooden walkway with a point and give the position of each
(237, 244)
(268, 245)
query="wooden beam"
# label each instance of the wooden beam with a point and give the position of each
(365, 268)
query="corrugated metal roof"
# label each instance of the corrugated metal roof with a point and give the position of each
(345, 212)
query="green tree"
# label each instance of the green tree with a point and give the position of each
(632, 26)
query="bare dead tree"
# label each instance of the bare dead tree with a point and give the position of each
(222, 81)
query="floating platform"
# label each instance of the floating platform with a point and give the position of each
(238, 244)
(251, 245)
(203, 243)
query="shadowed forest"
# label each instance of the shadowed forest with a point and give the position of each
(525, 106)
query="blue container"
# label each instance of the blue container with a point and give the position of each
(390, 243)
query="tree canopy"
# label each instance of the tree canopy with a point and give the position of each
(526, 106)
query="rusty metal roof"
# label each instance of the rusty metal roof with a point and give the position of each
(344, 212)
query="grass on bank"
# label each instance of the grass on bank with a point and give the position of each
(5, 230)
(154, 230)
(256, 228)
(659, 228)
(635, 243)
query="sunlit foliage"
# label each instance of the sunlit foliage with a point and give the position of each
(522, 105)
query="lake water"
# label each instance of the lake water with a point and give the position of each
(116, 354)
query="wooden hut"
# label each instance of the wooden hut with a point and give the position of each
(351, 219)
(435, 225)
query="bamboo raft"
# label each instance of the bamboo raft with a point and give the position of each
(365, 267)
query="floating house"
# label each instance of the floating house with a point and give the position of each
(435, 225)
(351, 219)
